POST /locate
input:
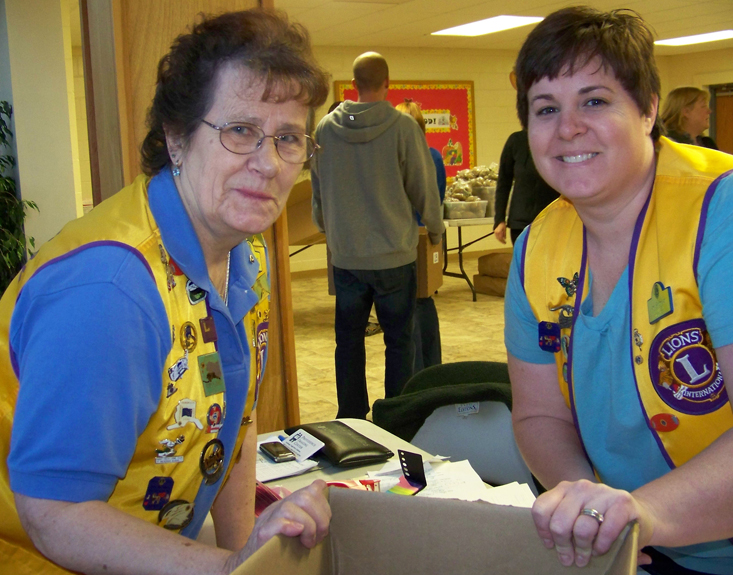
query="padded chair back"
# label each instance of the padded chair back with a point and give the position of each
(485, 438)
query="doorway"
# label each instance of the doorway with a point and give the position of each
(721, 120)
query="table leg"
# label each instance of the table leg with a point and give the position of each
(460, 264)
(460, 249)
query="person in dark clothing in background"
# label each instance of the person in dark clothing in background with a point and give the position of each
(531, 193)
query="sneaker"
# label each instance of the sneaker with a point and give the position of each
(372, 329)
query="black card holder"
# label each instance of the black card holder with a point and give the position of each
(344, 446)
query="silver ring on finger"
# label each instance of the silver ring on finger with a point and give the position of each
(594, 513)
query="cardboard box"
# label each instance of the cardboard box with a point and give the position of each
(495, 263)
(429, 265)
(489, 285)
(375, 533)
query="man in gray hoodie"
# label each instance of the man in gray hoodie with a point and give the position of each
(372, 174)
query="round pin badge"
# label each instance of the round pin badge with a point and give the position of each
(214, 418)
(212, 461)
(174, 267)
(188, 337)
(664, 422)
(176, 514)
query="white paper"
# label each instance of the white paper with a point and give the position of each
(457, 480)
(454, 481)
(303, 444)
(514, 494)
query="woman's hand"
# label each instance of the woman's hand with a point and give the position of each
(500, 232)
(560, 522)
(304, 514)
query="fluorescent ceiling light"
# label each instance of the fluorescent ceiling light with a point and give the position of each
(488, 26)
(697, 39)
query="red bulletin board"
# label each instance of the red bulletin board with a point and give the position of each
(448, 109)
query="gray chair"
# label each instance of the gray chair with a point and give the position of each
(461, 410)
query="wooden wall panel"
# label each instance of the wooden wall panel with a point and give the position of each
(148, 30)
(278, 405)
(108, 162)
(724, 122)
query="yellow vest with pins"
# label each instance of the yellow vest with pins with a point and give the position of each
(680, 386)
(180, 431)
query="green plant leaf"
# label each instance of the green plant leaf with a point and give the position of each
(13, 211)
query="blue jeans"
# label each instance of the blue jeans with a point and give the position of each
(393, 292)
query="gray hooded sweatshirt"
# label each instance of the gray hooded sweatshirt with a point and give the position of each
(373, 172)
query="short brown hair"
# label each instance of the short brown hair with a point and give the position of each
(676, 102)
(262, 41)
(567, 40)
(370, 71)
(412, 109)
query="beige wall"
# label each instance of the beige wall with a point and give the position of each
(699, 69)
(496, 116)
(38, 67)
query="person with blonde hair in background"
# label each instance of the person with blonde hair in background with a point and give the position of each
(426, 330)
(686, 115)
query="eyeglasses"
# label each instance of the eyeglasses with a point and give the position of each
(240, 138)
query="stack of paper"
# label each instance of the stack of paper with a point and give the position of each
(448, 480)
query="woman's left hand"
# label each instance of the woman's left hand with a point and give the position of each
(560, 522)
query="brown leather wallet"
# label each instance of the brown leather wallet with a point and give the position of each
(344, 447)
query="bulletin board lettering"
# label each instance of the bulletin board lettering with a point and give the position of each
(448, 109)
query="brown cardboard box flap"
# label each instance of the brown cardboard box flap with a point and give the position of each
(489, 285)
(429, 265)
(385, 534)
(495, 263)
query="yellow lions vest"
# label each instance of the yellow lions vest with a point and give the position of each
(679, 384)
(179, 447)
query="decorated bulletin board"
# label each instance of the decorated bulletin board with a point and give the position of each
(448, 109)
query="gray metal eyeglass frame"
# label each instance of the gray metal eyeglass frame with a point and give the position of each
(275, 139)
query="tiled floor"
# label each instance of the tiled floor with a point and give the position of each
(469, 331)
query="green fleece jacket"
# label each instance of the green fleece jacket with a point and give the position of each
(372, 173)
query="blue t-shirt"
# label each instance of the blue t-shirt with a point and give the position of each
(91, 335)
(612, 425)
(440, 174)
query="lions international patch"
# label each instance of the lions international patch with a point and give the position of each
(685, 371)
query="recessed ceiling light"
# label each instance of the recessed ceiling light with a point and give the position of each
(697, 39)
(488, 26)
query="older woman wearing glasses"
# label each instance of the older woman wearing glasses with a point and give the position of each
(132, 346)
